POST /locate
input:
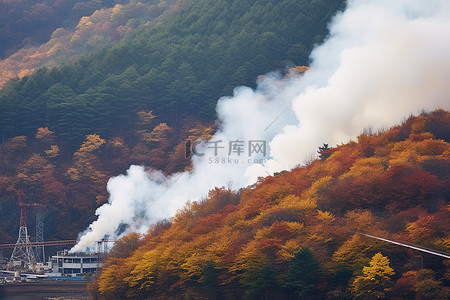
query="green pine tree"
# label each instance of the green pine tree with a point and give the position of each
(304, 273)
(210, 280)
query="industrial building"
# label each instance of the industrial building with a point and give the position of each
(67, 263)
(29, 255)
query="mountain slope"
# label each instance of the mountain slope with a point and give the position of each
(93, 31)
(297, 232)
(178, 68)
(27, 22)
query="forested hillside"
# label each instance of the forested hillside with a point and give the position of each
(28, 22)
(92, 31)
(72, 185)
(136, 82)
(297, 233)
(177, 69)
(69, 129)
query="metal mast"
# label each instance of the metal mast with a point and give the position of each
(40, 252)
(22, 252)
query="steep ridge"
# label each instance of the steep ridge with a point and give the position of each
(179, 68)
(92, 31)
(297, 231)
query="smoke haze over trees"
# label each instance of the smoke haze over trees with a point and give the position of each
(297, 232)
(73, 127)
(354, 119)
(177, 69)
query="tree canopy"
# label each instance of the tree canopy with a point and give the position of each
(178, 68)
(296, 234)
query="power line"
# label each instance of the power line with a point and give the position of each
(34, 244)
(434, 252)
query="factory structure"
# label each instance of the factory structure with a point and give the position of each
(77, 263)
(28, 256)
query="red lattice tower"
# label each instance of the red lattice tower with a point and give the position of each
(23, 255)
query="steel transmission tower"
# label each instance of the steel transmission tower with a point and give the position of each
(39, 251)
(22, 252)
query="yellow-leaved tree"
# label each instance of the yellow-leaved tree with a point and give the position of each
(376, 279)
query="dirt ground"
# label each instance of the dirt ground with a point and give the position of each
(73, 290)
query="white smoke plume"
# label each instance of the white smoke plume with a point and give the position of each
(383, 60)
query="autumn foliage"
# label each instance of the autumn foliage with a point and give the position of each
(72, 184)
(297, 233)
(99, 24)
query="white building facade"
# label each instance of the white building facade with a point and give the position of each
(74, 263)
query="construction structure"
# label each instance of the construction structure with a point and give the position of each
(23, 254)
(39, 249)
(29, 255)
(74, 264)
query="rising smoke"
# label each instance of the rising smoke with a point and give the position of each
(382, 61)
